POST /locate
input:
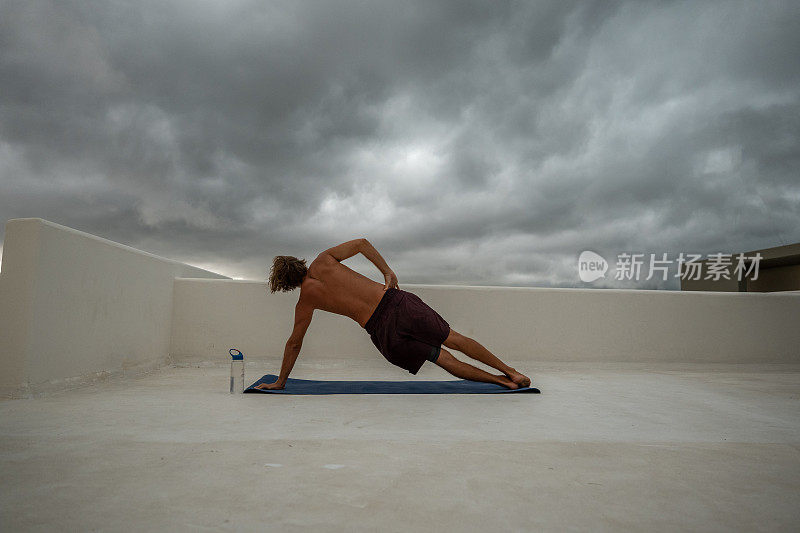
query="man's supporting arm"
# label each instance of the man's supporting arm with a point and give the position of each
(302, 318)
(290, 353)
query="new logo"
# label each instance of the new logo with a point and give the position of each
(591, 266)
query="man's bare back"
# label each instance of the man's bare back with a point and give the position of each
(333, 287)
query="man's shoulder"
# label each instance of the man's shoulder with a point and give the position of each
(307, 301)
(324, 258)
(323, 266)
(310, 291)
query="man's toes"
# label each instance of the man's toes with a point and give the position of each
(508, 383)
(521, 380)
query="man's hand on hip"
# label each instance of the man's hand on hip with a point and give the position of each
(390, 280)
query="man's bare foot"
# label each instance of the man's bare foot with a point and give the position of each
(521, 380)
(506, 382)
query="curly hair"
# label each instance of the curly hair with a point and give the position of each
(287, 273)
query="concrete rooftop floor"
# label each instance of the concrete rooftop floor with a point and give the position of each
(605, 447)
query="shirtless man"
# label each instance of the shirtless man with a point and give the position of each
(403, 328)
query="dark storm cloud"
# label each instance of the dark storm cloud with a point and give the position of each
(472, 142)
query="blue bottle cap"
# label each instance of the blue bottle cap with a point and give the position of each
(238, 356)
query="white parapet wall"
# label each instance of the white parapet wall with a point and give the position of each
(537, 324)
(75, 307)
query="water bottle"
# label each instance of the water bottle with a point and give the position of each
(237, 371)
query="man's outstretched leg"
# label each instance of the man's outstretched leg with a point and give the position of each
(475, 350)
(464, 370)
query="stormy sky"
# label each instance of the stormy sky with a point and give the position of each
(478, 143)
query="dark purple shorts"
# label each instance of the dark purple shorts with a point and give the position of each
(406, 331)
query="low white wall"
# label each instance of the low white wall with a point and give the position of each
(74, 306)
(516, 323)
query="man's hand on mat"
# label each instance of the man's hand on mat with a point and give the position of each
(391, 280)
(269, 386)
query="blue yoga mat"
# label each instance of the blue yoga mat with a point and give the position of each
(310, 386)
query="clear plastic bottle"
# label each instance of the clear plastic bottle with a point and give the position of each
(237, 371)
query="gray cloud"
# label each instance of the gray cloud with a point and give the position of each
(472, 142)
